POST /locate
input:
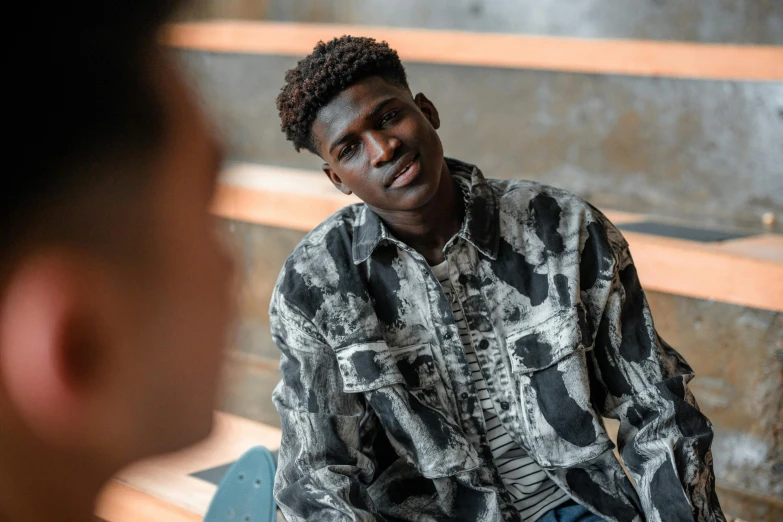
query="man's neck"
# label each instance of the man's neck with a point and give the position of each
(38, 488)
(429, 228)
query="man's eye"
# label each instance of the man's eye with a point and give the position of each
(346, 151)
(388, 117)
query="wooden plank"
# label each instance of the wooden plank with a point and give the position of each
(170, 486)
(746, 272)
(617, 217)
(122, 503)
(707, 272)
(161, 489)
(764, 246)
(276, 196)
(592, 56)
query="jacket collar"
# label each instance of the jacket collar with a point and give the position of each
(482, 222)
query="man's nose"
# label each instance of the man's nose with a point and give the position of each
(383, 148)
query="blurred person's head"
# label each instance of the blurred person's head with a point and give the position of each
(349, 102)
(113, 285)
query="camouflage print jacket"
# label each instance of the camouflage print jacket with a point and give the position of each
(380, 417)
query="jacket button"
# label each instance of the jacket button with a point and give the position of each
(504, 405)
(462, 279)
(484, 344)
(464, 395)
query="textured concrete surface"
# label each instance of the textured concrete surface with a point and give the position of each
(736, 352)
(708, 151)
(736, 21)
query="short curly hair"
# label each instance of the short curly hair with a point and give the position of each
(331, 68)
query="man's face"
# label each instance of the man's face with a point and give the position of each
(381, 144)
(167, 375)
(113, 327)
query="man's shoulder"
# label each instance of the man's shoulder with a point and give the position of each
(333, 237)
(533, 205)
(521, 192)
(320, 264)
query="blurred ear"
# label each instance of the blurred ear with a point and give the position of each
(429, 110)
(335, 179)
(52, 340)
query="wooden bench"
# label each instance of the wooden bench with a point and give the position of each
(746, 271)
(592, 56)
(163, 489)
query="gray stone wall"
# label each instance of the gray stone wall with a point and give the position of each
(722, 21)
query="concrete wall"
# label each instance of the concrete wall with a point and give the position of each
(706, 151)
(737, 354)
(726, 21)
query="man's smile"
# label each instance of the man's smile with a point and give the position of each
(408, 169)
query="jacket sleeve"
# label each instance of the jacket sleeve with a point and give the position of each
(664, 440)
(325, 462)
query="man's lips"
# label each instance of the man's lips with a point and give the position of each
(408, 169)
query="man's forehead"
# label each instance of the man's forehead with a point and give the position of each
(355, 102)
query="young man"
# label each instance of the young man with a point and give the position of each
(449, 346)
(114, 290)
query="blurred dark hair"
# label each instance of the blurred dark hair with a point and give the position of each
(82, 103)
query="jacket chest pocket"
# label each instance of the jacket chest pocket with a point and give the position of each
(403, 387)
(549, 362)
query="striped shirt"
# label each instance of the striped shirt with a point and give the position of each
(534, 493)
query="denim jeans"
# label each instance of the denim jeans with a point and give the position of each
(570, 512)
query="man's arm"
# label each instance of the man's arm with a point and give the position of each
(664, 440)
(323, 465)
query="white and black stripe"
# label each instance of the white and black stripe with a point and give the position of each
(534, 493)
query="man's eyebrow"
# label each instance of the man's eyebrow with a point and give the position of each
(378, 108)
(345, 137)
(340, 141)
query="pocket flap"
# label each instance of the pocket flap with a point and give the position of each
(538, 347)
(368, 366)
(417, 366)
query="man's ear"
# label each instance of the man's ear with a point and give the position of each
(335, 179)
(429, 110)
(50, 346)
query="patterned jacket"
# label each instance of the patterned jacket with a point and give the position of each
(380, 417)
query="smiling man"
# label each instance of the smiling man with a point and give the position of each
(450, 345)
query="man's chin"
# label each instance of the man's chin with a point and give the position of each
(414, 198)
(423, 193)
(201, 430)
(183, 435)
